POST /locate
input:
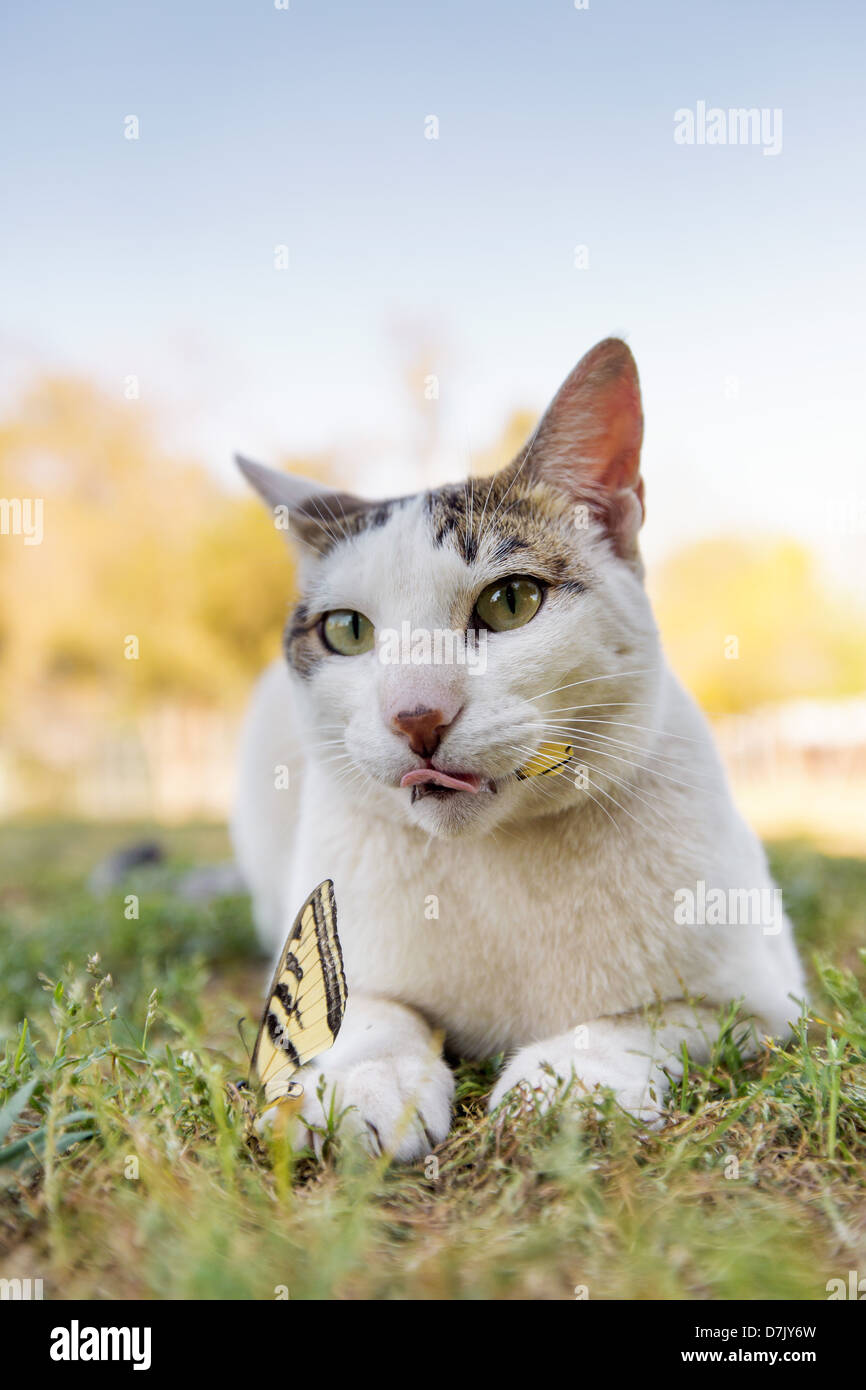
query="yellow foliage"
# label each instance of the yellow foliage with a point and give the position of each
(136, 544)
(747, 623)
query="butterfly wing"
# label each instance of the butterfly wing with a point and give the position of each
(547, 758)
(306, 1000)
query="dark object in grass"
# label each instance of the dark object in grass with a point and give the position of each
(112, 870)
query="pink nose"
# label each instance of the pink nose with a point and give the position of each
(422, 727)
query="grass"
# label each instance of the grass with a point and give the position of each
(124, 1174)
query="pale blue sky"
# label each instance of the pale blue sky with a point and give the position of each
(306, 127)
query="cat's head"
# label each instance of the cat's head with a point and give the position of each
(442, 639)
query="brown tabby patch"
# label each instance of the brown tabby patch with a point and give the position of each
(514, 517)
(302, 644)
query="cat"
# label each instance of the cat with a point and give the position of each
(546, 917)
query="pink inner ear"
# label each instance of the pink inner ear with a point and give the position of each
(589, 442)
(594, 426)
(615, 451)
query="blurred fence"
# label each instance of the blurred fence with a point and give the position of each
(173, 763)
(796, 767)
(799, 768)
(817, 737)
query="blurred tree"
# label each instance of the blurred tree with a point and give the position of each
(135, 544)
(749, 623)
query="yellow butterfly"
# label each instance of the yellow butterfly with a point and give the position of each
(305, 1004)
(548, 757)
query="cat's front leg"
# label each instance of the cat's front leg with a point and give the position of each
(386, 1072)
(633, 1054)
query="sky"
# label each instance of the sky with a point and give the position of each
(736, 275)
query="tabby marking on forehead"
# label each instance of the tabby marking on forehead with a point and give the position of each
(508, 516)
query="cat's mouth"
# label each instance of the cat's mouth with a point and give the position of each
(432, 781)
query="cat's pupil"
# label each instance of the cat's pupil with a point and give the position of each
(511, 597)
(356, 625)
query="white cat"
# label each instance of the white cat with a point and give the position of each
(546, 916)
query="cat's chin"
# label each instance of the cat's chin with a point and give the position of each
(505, 803)
(447, 814)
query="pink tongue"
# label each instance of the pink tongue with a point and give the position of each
(467, 783)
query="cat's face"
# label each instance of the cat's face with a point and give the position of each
(442, 639)
(421, 569)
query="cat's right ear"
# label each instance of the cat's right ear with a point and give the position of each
(589, 441)
(308, 512)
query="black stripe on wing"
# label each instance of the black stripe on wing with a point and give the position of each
(309, 982)
(330, 954)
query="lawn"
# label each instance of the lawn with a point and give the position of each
(124, 1173)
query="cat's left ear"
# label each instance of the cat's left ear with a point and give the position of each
(306, 511)
(588, 442)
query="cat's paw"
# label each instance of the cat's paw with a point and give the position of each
(400, 1106)
(538, 1074)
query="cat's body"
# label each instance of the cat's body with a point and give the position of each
(534, 916)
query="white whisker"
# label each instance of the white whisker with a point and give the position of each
(644, 728)
(564, 730)
(650, 771)
(590, 680)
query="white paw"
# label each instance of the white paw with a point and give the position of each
(537, 1074)
(400, 1106)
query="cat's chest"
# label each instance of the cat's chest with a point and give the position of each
(497, 939)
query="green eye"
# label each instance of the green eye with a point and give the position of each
(347, 632)
(509, 603)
